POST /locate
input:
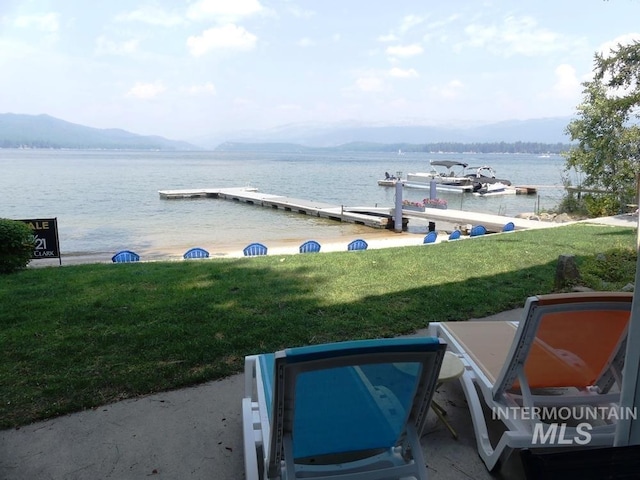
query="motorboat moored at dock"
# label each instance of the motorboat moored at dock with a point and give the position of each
(491, 189)
(458, 177)
(453, 179)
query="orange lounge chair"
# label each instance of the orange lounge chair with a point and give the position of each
(567, 351)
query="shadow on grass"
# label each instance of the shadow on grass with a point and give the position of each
(78, 337)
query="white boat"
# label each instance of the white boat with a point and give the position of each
(493, 189)
(388, 180)
(485, 183)
(453, 179)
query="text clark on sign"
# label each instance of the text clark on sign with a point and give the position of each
(45, 236)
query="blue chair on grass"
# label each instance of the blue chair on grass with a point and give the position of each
(455, 235)
(430, 237)
(125, 256)
(508, 227)
(477, 231)
(340, 408)
(310, 246)
(196, 252)
(358, 244)
(254, 249)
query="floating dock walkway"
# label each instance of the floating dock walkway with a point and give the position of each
(368, 216)
(376, 217)
(493, 223)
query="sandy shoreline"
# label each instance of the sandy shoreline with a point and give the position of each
(376, 239)
(289, 246)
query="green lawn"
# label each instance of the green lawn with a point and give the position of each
(75, 337)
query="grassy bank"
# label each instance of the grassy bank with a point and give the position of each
(79, 336)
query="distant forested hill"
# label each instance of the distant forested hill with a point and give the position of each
(446, 147)
(44, 131)
(541, 131)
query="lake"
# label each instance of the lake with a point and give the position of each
(106, 201)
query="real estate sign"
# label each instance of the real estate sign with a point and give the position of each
(45, 235)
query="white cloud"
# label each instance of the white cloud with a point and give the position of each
(442, 30)
(104, 46)
(404, 50)
(151, 15)
(606, 48)
(146, 90)
(228, 36)
(370, 84)
(301, 13)
(224, 10)
(567, 84)
(410, 21)
(443, 22)
(449, 91)
(47, 22)
(400, 73)
(390, 37)
(407, 23)
(204, 89)
(516, 35)
(306, 42)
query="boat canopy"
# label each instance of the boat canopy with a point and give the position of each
(448, 163)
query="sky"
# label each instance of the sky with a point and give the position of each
(188, 69)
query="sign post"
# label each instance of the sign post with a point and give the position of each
(45, 236)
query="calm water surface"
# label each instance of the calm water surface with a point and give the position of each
(107, 201)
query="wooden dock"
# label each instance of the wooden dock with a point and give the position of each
(375, 217)
(525, 190)
(368, 216)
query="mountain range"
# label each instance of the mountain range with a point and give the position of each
(44, 131)
(543, 130)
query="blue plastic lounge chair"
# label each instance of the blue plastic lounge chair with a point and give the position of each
(430, 237)
(310, 246)
(508, 227)
(351, 410)
(455, 235)
(196, 252)
(567, 350)
(358, 244)
(125, 256)
(254, 249)
(477, 231)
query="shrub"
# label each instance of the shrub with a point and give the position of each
(572, 205)
(16, 245)
(602, 205)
